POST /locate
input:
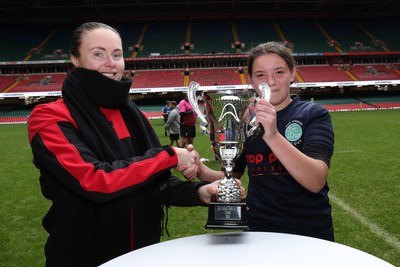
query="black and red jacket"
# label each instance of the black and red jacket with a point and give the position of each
(101, 209)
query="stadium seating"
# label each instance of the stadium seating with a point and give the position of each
(175, 78)
(14, 116)
(383, 29)
(34, 42)
(145, 39)
(323, 74)
(207, 77)
(348, 33)
(6, 81)
(382, 101)
(252, 32)
(306, 37)
(374, 72)
(209, 36)
(220, 76)
(35, 83)
(158, 78)
(164, 38)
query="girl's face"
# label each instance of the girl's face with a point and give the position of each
(273, 70)
(101, 50)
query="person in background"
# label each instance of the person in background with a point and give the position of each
(100, 161)
(188, 123)
(173, 124)
(288, 165)
(165, 111)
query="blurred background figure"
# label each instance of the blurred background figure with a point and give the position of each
(188, 123)
(165, 111)
(173, 124)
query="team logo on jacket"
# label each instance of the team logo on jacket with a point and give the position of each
(293, 131)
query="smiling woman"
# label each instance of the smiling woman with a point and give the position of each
(101, 163)
(288, 179)
(103, 53)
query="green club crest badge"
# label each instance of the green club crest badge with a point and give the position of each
(293, 132)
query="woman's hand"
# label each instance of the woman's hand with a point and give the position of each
(266, 116)
(206, 192)
(189, 170)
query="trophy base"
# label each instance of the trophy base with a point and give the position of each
(227, 216)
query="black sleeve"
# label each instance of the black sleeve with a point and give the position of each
(319, 140)
(185, 113)
(240, 164)
(176, 192)
(320, 152)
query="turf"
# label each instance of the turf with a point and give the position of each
(364, 181)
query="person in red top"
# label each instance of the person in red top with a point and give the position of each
(101, 163)
(188, 123)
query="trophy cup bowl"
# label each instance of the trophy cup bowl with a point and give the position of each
(226, 113)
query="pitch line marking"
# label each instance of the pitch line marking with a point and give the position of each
(373, 227)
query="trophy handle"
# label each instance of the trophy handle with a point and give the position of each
(193, 100)
(265, 94)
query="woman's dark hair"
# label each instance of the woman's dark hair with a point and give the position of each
(270, 47)
(76, 40)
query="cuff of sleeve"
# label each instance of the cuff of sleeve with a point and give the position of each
(172, 153)
(199, 184)
(170, 150)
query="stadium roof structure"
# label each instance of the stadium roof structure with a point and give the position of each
(75, 10)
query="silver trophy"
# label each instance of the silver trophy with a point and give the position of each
(255, 131)
(227, 114)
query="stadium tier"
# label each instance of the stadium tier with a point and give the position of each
(323, 74)
(376, 72)
(336, 59)
(22, 83)
(143, 38)
(50, 82)
(209, 77)
(158, 78)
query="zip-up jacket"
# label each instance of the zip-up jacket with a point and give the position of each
(101, 208)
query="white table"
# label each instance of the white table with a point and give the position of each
(240, 249)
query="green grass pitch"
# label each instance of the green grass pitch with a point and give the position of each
(364, 180)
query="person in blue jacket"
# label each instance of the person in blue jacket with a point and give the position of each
(288, 165)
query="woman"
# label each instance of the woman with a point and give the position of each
(288, 165)
(101, 163)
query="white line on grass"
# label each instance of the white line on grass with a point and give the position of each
(347, 151)
(373, 227)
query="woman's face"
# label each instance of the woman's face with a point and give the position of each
(273, 70)
(101, 50)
